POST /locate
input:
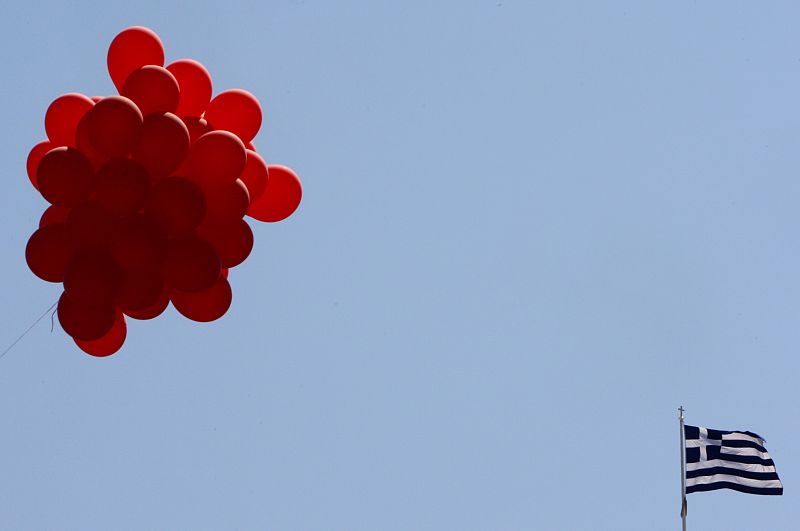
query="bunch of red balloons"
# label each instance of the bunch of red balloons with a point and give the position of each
(148, 191)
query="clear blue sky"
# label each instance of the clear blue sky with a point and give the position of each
(530, 231)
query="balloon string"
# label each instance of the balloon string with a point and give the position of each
(28, 329)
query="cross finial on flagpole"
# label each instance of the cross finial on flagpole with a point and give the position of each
(681, 410)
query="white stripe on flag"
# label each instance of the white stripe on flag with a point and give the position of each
(729, 464)
(742, 437)
(758, 483)
(743, 451)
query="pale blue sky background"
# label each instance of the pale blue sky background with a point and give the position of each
(530, 231)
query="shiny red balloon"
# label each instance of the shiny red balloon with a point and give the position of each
(163, 143)
(89, 225)
(48, 252)
(197, 127)
(139, 290)
(177, 205)
(93, 277)
(195, 84)
(53, 214)
(207, 305)
(133, 48)
(34, 157)
(191, 264)
(216, 158)
(110, 343)
(237, 111)
(64, 176)
(151, 312)
(121, 187)
(226, 204)
(255, 175)
(62, 118)
(152, 89)
(138, 244)
(233, 242)
(113, 126)
(85, 321)
(281, 197)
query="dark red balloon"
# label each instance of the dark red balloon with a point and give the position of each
(226, 204)
(138, 244)
(151, 312)
(48, 252)
(163, 143)
(93, 277)
(121, 187)
(64, 176)
(152, 89)
(281, 197)
(237, 111)
(85, 145)
(62, 118)
(89, 225)
(191, 264)
(108, 344)
(133, 48)
(85, 321)
(216, 158)
(53, 214)
(233, 242)
(197, 127)
(204, 306)
(195, 86)
(177, 205)
(113, 126)
(255, 175)
(34, 157)
(140, 289)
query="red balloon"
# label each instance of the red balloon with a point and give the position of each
(177, 205)
(255, 175)
(64, 176)
(197, 127)
(191, 264)
(121, 187)
(138, 244)
(217, 158)
(163, 143)
(250, 146)
(204, 306)
(88, 225)
(140, 289)
(84, 321)
(153, 89)
(48, 252)
(53, 214)
(110, 343)
(225, 204)
(93, 277)
(236, 111)
(233, 242)
(113, 126)
(151, 312)
(96, 159)
(281, 197)
(133, 48)
(34, 157)
(195, 84)
(62, 118)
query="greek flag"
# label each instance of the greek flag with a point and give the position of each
(735, 460)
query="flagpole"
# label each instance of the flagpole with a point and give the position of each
(683, 469)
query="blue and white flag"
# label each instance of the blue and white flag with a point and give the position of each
(735, 460)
